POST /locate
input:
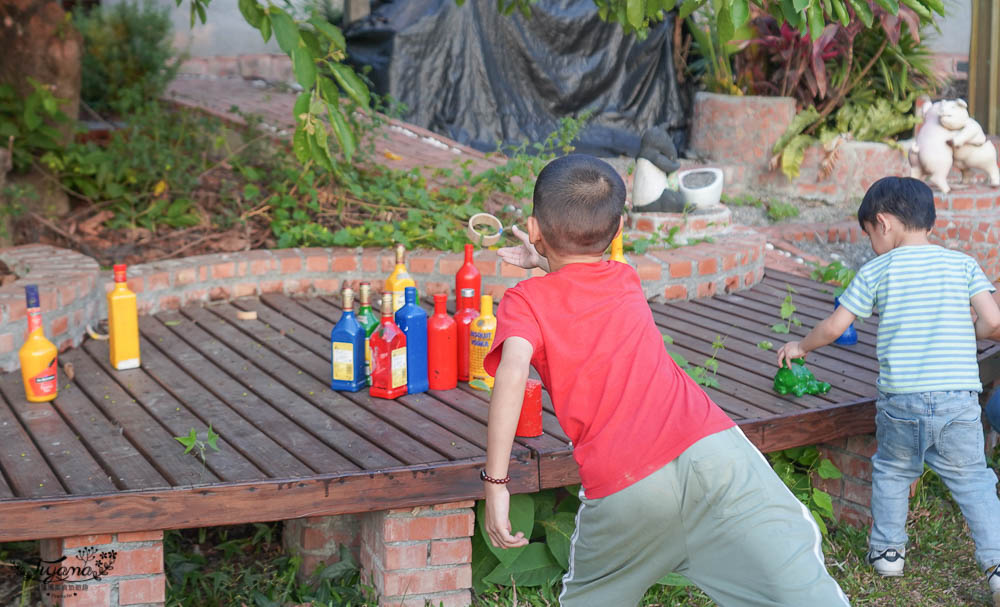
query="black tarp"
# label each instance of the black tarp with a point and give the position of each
(480, 77)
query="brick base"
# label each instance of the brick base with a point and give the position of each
(852, 493)
(420, 555)
(318, 540)
(133, 572)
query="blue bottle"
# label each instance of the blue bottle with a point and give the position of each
(850, 335)
(347, 345)
(412, 319)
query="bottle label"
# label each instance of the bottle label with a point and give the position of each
(45, 382)
(398, 364)
(343, 361)
(398, 300)
(368, 360)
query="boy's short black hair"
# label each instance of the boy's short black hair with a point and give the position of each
(907, 199)
(578, 202)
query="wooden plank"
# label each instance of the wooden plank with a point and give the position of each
(240, 503)
(854, 375)
(838, 373)
(477, 403)
(810, 317)
(818, 426)
(550, 424)
(69, 458)
(228, 463)
(25, 470)
(557, 470)
(251, 337)
(129, 419)
(293, 447)
(315, 361)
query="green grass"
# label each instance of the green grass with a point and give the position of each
(778, 211)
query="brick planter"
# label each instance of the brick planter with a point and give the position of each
(73, 288)
(737, 134)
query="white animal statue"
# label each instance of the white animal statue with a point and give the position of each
(950, 137)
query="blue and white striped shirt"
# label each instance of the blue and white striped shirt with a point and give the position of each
(926, 339)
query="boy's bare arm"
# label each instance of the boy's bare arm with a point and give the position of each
(996, 298)
(505, 409)
(987, 315)
(828, 330)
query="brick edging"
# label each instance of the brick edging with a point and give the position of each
(73, 287)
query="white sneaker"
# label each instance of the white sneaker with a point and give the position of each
(890, 563)
(993, 579)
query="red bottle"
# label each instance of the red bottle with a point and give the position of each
(467, 312)
(442, 348)
(388, 344)
(468, 277)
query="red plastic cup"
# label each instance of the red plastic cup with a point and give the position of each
(530, 422)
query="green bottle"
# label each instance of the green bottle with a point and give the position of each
(368, 322)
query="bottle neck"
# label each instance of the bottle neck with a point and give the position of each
(34, 319)
(439, 307)
(468, 254)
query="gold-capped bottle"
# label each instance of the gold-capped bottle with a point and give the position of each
(400, 278)
(123, 323)
(482, 332)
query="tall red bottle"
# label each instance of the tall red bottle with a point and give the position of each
(442, 347)
(467, 312)
(467, 277)
(388, 344)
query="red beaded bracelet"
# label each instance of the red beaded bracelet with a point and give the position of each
(490, 479)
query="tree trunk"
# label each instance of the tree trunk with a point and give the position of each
(39, 41)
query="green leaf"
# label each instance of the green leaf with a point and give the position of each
(890, 5)
(342, 131)
(211, 439)
(251, 11)
(300, 144)
(522, 518)
(534, 566)
(558, 533)
(779, 328)
(816, 20)
(265, 27)
(787, 308)
(674, 579)
(680, 360)
(301, 106)
(305, 69)
(819, 522)
(480, 385)
(285, 29)
(350, 82)
(740, 12)
(188, 441)
(863, 11)
(765, 345)
(800, 5)
(331, 32)
(822, 501)
(689, 7)
(828, 469)
(483, 562)
(667, 339)
(794, 153)
(635, 9)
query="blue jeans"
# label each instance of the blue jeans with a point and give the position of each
(993, 410)
(945, 430)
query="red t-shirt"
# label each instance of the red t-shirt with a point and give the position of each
(619, 396)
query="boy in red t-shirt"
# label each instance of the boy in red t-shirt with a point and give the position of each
(670, 484)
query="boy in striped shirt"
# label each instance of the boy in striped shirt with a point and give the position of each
(928, 407)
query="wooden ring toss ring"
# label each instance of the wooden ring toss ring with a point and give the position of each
(485, 219)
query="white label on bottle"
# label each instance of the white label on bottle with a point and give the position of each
(398, 367)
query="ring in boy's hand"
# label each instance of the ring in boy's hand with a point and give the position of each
(485, 219)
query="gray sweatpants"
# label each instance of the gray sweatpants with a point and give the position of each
(719, 516)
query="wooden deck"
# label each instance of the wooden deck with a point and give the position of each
(102, 456)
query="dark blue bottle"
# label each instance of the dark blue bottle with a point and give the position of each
(850, 335)
(347, 350)
(412, 319)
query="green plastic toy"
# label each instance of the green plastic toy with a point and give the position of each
(798, 380)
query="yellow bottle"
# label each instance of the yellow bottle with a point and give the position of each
(123, 324)
(38, 355)
(398, 281)
(617, 249)
(481, 334)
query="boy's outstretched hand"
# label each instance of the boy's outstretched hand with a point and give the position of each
(498, 519)
(787, 352)
(523, 256)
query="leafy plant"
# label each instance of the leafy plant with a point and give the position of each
(765, 345)
(796, 467)
(706, 374)
(194, 441)
(787, 314)
(778, 211)
(32, 124)
(128, 58)
(835, 273)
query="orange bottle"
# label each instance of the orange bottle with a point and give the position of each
(38, 355)
(123, 323)
(388, 344)
(398, 281)
(617, 249)
(442, 351)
